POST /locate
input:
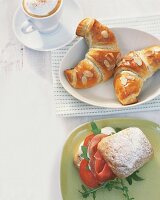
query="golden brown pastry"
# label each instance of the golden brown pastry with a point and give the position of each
(100, 61)
(133, 70)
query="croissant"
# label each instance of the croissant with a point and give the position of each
(100, 61)
(133, 70)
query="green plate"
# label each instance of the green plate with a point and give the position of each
(143, 190)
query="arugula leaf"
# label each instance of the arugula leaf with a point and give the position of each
(129, 180)
(94, 195)
(87, 167)
(84, 188)
(117, 184)
(117, 129)
(85, 192)
(84, 153)
(134, 177)
(125, 191)
(95, 129)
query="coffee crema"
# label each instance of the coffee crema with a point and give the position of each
(41, 8)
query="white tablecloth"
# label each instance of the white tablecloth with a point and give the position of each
(31, 136)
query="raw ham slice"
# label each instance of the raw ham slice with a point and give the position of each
(98, 165)
(92, 148)
(100, 168)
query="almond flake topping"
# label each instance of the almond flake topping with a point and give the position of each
(109, 66)
(88, 74)
(130, 78)
(104, 34)
(110, 58)
(123, 80)
(106, 63)
(138, 61)
(156, 49)
(118, 58)
(84, 80)
(127, 63)
(149, 53)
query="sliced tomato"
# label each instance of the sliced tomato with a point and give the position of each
(92, 148)
(87, 176)
(88, 140)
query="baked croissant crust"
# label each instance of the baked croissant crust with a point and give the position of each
(100, 61)
(133, 70)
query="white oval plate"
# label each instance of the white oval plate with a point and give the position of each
(103, 94)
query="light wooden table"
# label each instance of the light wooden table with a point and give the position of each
(31, 136)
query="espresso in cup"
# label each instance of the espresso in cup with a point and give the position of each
(41, 8)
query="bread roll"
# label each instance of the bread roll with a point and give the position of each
(126, 151)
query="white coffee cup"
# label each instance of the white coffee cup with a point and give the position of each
(43, 24)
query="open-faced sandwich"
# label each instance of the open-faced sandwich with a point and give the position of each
(106, 157)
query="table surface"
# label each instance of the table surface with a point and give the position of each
(31, 136)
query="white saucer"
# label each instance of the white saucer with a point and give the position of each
(64, 34)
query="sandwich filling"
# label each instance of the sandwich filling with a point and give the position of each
(104, 155)
(93, 169)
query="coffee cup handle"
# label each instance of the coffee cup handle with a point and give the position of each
(28, 27)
